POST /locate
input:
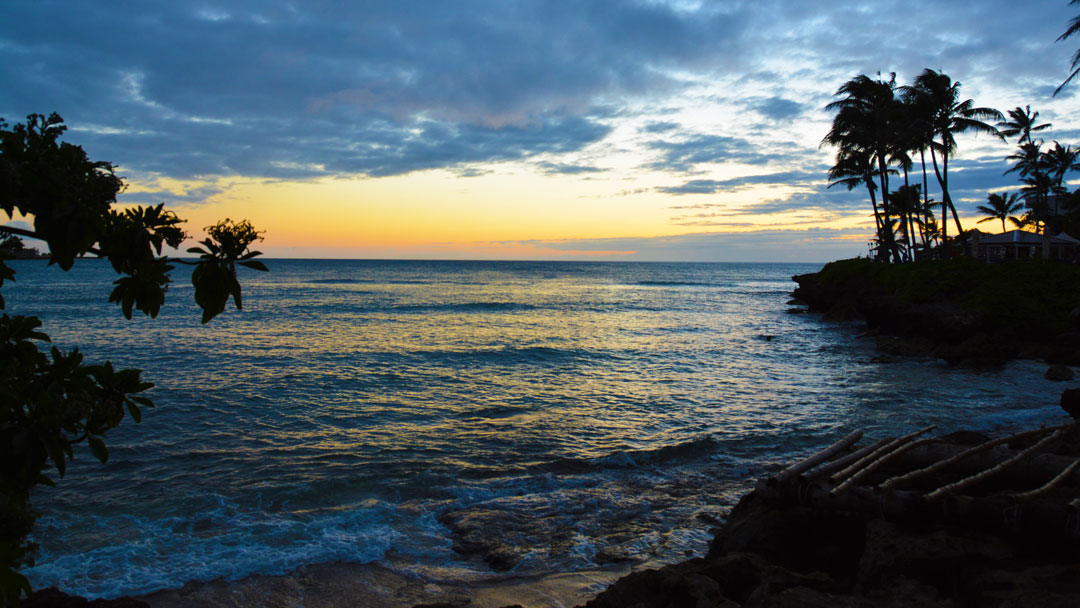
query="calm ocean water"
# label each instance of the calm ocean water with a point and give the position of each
(369, 411)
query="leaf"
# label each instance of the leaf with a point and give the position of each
(97, 447)
(136, 413)
(257, 265)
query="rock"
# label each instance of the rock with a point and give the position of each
(677, 586)
(54, 598)
(840, 312)
(797, 538)
(1059, 373)
(1070, 401)
(980, 350)
(1074, 318)
(938, 559)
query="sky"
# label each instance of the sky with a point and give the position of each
(515, 129)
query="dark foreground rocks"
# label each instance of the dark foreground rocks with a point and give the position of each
(54, 598)
(774, 555)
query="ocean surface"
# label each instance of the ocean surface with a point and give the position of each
(563, 415)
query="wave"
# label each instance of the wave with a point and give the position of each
(694, 449)
(367, 282)
(675, 284)
(464, 307)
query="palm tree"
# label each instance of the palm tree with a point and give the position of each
(864, 126)
(1060, 160)
(947, 117)
(1022, 123)
(854, 169)
(1074, 27)
(1002, 208)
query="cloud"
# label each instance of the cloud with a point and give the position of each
(291, 91)
(787, 178)
(549, 168)
(660, 127)
(687, 154)
(778, 109)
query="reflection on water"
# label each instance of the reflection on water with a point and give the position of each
(360, 407)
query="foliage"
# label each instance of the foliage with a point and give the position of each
(1002, 208)
(1074, 27)
(49, 403)
(877, 129)
(1031, 298)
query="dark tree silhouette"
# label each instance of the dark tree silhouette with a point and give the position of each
(1002, 208)
(51, 403)
(1074, 27)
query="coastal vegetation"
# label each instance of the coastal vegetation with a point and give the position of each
(50, 403)
(960, 310)
(881, 129)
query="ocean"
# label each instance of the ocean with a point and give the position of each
(424, 415)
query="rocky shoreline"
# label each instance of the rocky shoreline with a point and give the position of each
(962, 312)
(783, 548)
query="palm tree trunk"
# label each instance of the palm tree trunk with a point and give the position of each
(944, 208)
(926, 193)
(890, 240)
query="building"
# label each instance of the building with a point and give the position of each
(1021, 245)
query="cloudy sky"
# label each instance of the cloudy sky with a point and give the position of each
(516, 129)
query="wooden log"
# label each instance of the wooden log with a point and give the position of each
(878, 453)
(953, 488)
(1050, 485)
(844, 461)
(816, 459)
(873, 466)
(947, 462)
(1047, 521)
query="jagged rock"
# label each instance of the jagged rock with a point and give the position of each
(54, 598)
(1074, 318)
(677, 586)
(1058, 373)
(980, 350)
(798, 538)
(1070, 401)
(941, 560)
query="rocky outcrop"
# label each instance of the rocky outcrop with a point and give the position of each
(775, 555)
(937, 311)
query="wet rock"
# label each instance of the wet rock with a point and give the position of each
(677, 586)
(476, 533)
(938, 559)
(980, 350)
(797, 538)
(1058, 373)
(1070, 401)
(840, 312)
(54, 598)
(905, 346)
(1074, 318)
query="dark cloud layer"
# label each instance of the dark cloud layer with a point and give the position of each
(287, 90)
(291, 90)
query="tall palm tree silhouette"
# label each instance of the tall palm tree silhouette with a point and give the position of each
(864, 126)
(946, 116)
(1074, 27)
(1002, 208)
(1021, 122)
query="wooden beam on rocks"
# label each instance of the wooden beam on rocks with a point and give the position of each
(878, 453)
(953, 488)
(843, 462)
(816, 459)
(1050, 485)
(947, 462)
(873, 466)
